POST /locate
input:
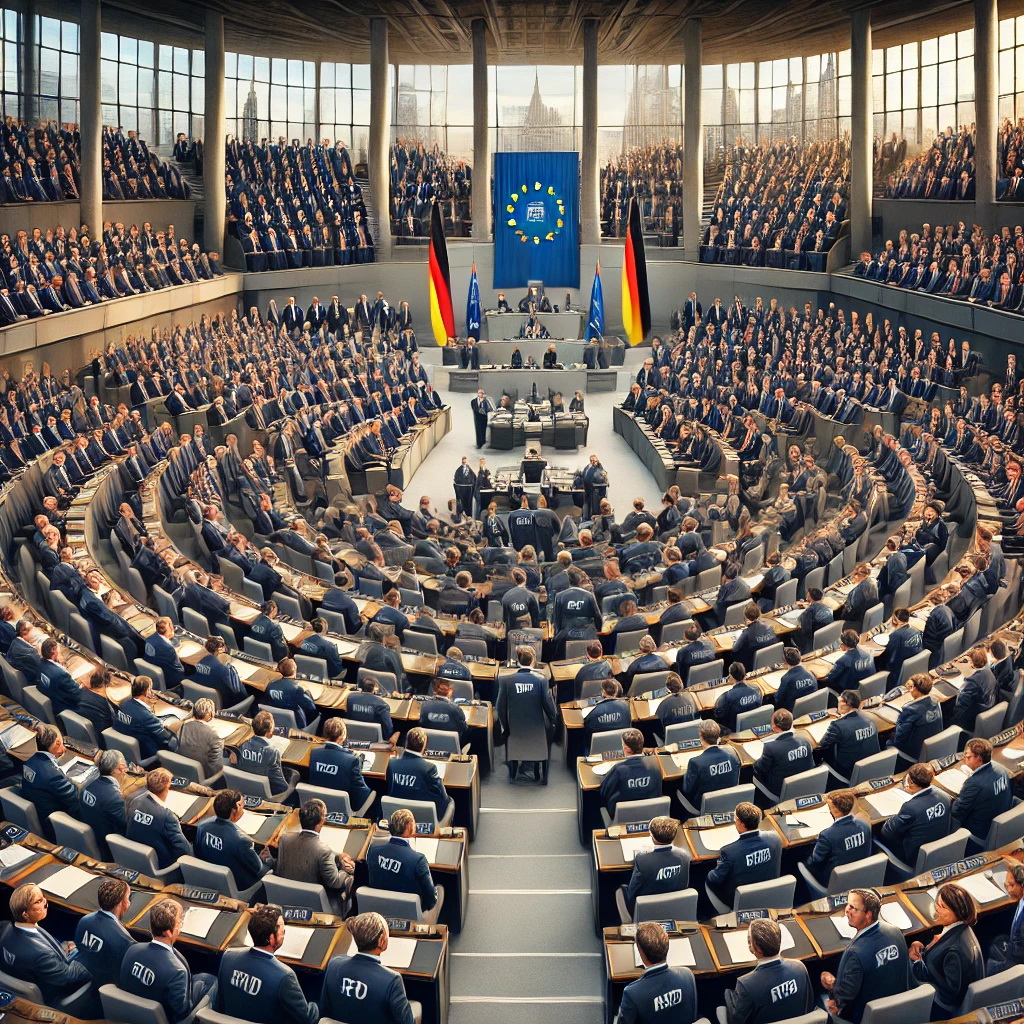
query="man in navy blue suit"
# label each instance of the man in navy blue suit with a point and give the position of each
(664, 869)
(155, 970)
(986, 793)
(360, 987)
(135, 717)
(784, 754)
(100, 938)
(30, 953)
(846, 840)
(220, 841)
(410, 776)
(152, 823)
(43, 782)
(331, 766)
(755, 856)
(662, 994)
(849, 737)
(637, 777)
(101, 805)
(715, 767)
(397, 867)
(1009, 951)
(923, 818)
(254, 985)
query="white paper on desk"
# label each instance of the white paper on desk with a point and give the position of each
(250, 823)
(815, 820)
(296, 940)
(632, 845)
(817, 729)
(366, 759)
(952, 779)
(170, 711)
(755, 580)
(442, 768)
(16, 735)
(291, 630)
(792, 617)
(315, 690)
(425, 845)
(66, 881)
(335, 838)
(680, 954)
(279, 743)
(223, 728)
(682, 757)
(773, 679)
(832, 657)
(1015, 753)
(882, 639)
(894, 914)
(586, 711)
(889, 801)
(983, 889)
(344, 646)
(755, 748)
(957, 682)
(604, 767)
(246, 669)
(715, 838)
(843, 927)
(737, 947)
(76, 764)
(199, 920)
(653, 705)
(788, 942)
(729, 634)
(180, 802)
(14, 855)
(186, 648)
(398, 956)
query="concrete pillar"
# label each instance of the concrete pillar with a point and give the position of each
(860, 133)
(317, 128)
(986, 101)
(90, 117)
(693, 137)
(590, 199)
(483, 206)
(380, 128)
(29, 64)
(214, 162)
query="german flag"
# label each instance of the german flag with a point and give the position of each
(442, 315)
(636, 303)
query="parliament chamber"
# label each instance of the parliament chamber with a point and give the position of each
(641, 641)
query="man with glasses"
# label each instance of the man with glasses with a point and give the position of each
(873, 965)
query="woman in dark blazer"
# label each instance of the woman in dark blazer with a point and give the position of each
(953, 959)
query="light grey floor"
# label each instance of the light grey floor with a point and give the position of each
(628, 477)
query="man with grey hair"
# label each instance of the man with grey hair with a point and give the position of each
(198, 740)
(304, 857)
(396, 866)
(360, 987)
(100, 804)
(42, 781)
(776, 989)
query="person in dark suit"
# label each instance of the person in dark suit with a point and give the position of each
(529, 692)
(1008, 950)
(160, 651)
(755, 637)
(220, 841)
(784, 754)
(952, 961)
(42, 781)
(152, 823)
(664, 869)
(55, 681)
(979, 693)
(254, 985)
(318, 646)
(360, 987)
(397, 867)
(135, 718)
(609, 714)
(755, 857)
(258, 756)
(637, 777)
(411, 776)
(849, 737)
(797, 681)
(21, 655)
(482, 406)
(853, 665)
(777, 989)
(919, 719)
(286, 693)
(155, 970)
(694, 651)
(331, 766)
(846, 840)
(101, 804)
(30, 953)
(987, 792)
(740, 697)
(662, 994)
(366, 705)
(874, 965)
(714, 768)
(216, 671)
(678, 706)
(923, 818)
(100, 938)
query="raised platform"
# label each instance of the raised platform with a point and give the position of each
(505, 326)
(520, 382)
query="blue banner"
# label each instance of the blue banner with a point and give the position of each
(536, 219)
(473, 308)
(595, 319)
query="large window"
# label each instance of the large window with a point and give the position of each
(270, 97)
(345, 107)
(947, 83)
(1011, 68)
(637, 106)
(57, 65)
(780, 90)
(535, 107)
(896, 88)
(434, 105)
(10, 31)
(127, 83)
